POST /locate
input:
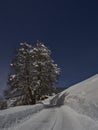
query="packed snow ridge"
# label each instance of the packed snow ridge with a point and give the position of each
(73, 109)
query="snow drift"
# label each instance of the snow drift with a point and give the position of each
(83, 97)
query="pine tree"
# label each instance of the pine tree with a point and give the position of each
(33, 74)
(20, 78)
(46, 72)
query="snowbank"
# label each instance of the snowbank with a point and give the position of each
(83, 97)
(13, 116)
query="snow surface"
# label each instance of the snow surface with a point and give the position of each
(16, 115)
(83, 97)
(73, 109)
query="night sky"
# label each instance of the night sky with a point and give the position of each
(68, 27)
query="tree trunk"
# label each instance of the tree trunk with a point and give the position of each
(33, 99)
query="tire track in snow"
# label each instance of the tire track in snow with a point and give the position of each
(41, 121)
(54, 124)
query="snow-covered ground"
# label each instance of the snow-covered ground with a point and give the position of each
(74, 109)
(83, 97)
(16, 115)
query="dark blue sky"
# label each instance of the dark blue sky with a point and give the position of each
(68, 27)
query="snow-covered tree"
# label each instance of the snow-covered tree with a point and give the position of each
(33, 74)
(45, 71)
(3, 103)
(20, 78)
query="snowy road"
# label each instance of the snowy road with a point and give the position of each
(59, 118)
